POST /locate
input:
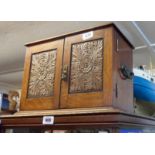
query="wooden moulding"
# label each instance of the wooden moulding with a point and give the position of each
(79, 118)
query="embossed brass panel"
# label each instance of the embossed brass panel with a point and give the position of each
(42, 73)
(87, 67)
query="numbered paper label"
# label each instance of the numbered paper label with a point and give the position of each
(48, 120)
(87, 35)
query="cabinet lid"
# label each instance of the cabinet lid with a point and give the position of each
(78, 32)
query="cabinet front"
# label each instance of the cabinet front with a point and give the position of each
(85, 73)
(42, 76)
(75, 72)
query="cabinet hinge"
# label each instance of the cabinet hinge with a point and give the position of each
(117, 48)
(116, 90)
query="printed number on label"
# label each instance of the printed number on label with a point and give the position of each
(48, 120)
(87, 35)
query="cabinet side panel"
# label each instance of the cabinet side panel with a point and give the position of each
(122, 89)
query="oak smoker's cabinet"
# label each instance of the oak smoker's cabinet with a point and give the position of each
(86, 69)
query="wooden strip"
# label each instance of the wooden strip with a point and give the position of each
(61, 112)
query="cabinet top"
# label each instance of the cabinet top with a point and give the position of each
(78, 32)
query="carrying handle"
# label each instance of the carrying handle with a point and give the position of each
(125, 72)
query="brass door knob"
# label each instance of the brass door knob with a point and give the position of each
(64, 75)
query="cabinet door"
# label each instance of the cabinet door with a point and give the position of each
(84, 62)
(42, 76)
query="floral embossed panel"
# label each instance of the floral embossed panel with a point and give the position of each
(87, 67)
(42, 73)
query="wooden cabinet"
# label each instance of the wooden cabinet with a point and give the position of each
(86, 69)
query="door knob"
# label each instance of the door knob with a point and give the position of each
(64, 75)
